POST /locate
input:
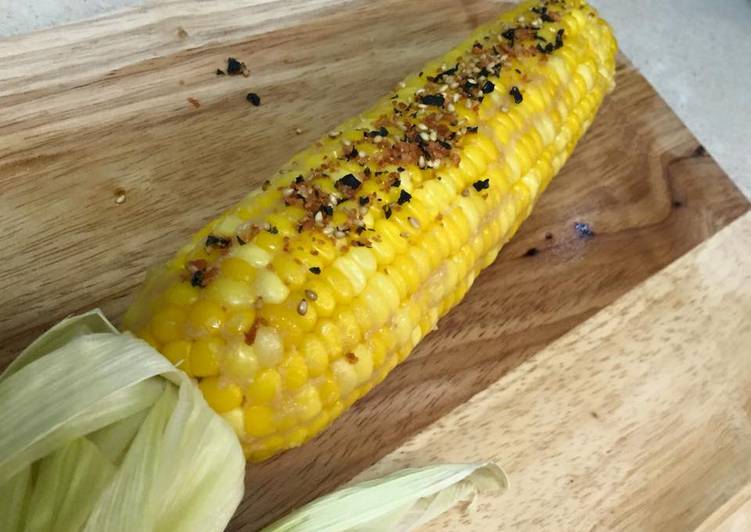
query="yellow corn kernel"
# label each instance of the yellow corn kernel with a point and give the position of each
(177, 351)
(241, 363)
(270, 287)
(290, 272)
(296, 436)
(345, 375)
(328, 390)
(259, 421)
(268, 347)
(230, 293)
(339, 285)
(265, 386)
(222, 396)
(238, 269)
(269, 241)
(348, 326)
(181, 294)
(236, 420)
(168, 324)
(315, 354)
(204, 356)
(255, 256)
(295, 372)
(206, 316)
(240, 321)
(308, 402)
(320, 297)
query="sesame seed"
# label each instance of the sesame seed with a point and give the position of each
(422, 106)
(450, 107)
(119, 196)
(377, 140)
(311, 295)
(422, 127)
(455, 85)
(421, 161)
(443, 88)
(347, 142)
(424, 136)
(419, 91)
(328, 230)
(340, 234)
(402, 84)
(414, 222)
(334, 134)
(302, 307)
(298, 131)
(287, 192)
(433, 136)
(457, 97)
(319, 217)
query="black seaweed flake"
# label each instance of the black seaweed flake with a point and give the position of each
(315, 270)
(364, 200)
(481, 184)
(353, 153)
(220, 72)
(197, 278)
(273, 230)
(328, 210)
(584, 230)
(396, 183)
(404, 197)
(381, 132)
(253, 98)
(472, 129)
(547, 49)
(349, 181)
(234, 67)
(559, 38)
(487, 87)
(299, 179)
(531, 252)
(518, 98)
(387, 211)
(436, 100)
(509, 34)
(220, 242)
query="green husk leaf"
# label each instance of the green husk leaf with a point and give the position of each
(401, 501)
(100, 432)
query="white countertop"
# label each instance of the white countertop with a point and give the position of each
(697, 54)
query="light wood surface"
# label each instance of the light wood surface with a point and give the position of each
(99, 108)
(636, 420)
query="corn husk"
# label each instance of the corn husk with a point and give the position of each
(403, 500)
(100, 432)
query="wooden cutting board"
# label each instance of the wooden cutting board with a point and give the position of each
(129, 106)
(638, 419)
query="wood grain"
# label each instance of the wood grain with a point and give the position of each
(636, 420)
(96, 108)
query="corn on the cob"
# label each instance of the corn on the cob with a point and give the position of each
(293, 304)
